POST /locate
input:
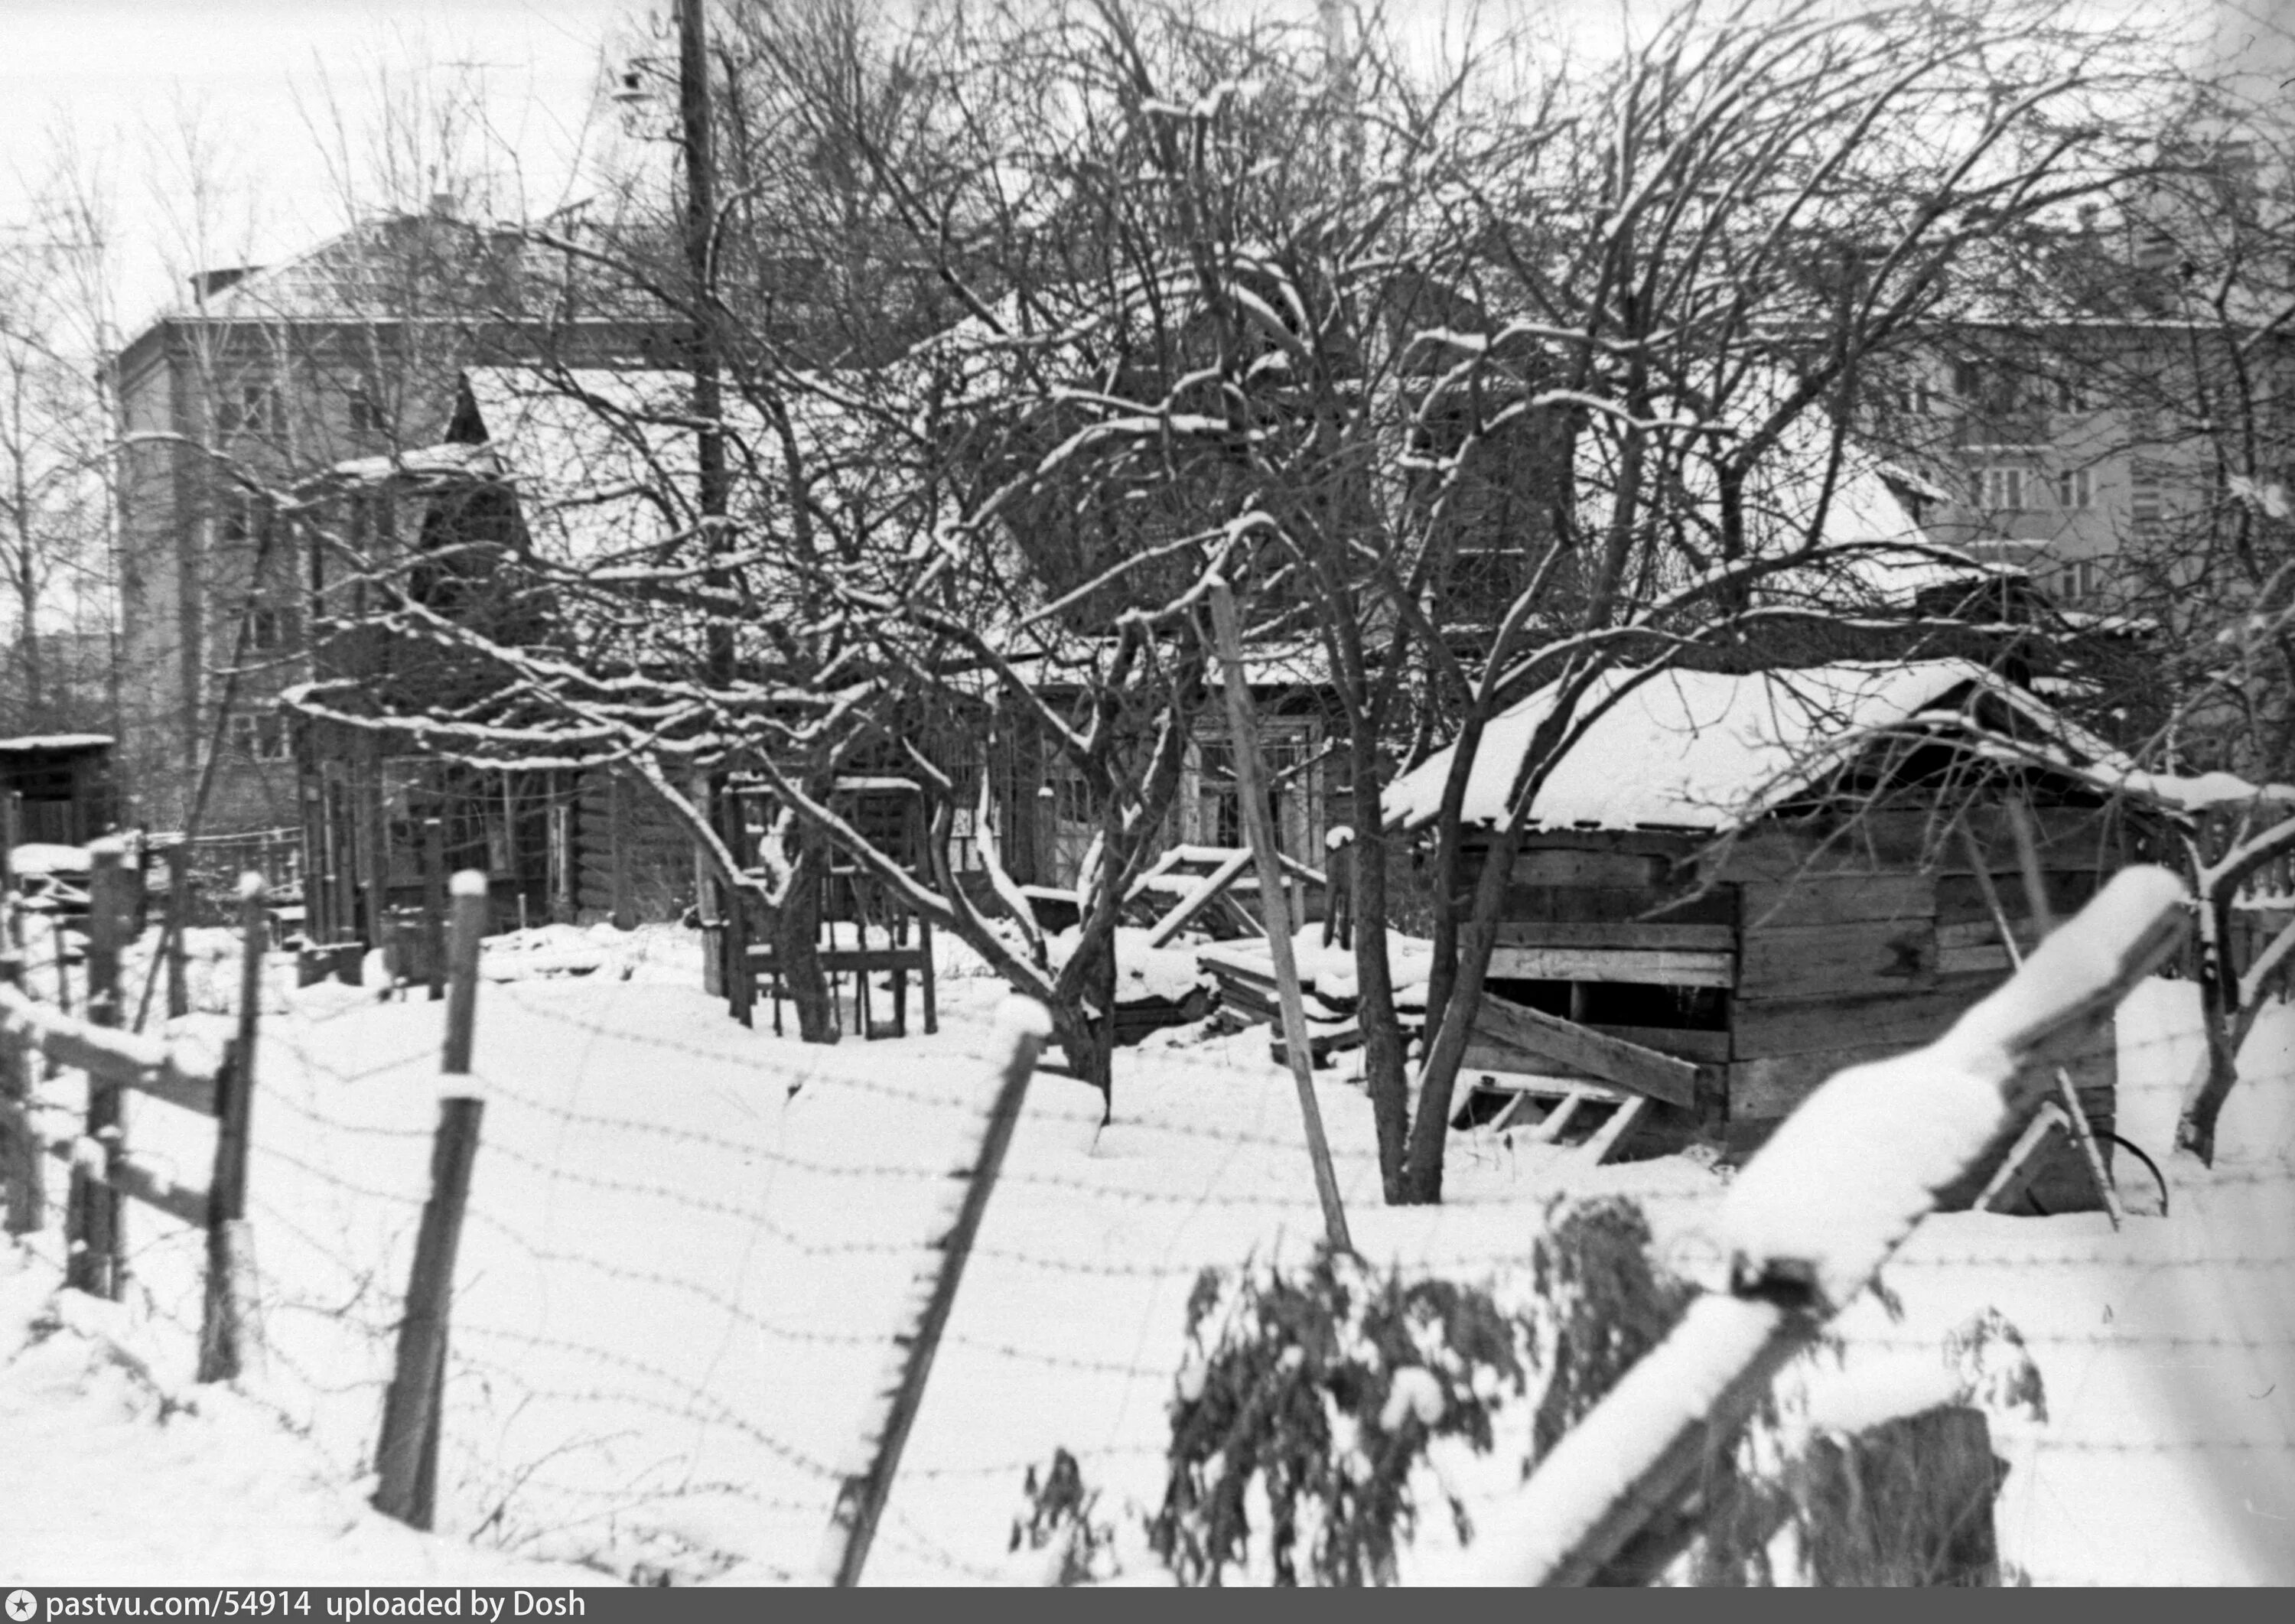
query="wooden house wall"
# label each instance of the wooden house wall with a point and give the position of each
(1817, 955)
(633, 861)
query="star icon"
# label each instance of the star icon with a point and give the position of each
(21, 1605)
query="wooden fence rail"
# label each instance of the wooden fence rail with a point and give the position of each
(1803, 1231)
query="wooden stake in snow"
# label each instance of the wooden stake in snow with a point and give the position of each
(1251, 790)
(1024, 1026)
(223, 1322)
(406, 1457)
(1806, 1227)
(94, 1243)
(20, 1147)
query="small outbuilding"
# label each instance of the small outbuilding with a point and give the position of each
(60, 787)
(1737, 883)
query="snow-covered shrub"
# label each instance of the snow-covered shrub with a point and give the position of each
(1315, 1410)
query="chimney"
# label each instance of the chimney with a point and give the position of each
(207, 284)
(442, 205)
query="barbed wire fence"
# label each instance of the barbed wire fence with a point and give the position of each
(691, 1251)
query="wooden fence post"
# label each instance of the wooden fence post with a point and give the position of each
(434, 905)
(21, 1163)
(92, 1237)
(223, 1322)
(406, 1456)
(12, 924)
(179, 906)
(860, 1500)
(1274, 911)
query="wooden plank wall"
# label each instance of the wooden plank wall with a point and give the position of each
(1836, 952)
(631, 860)
(1840, 968)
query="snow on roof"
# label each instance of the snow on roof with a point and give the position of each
(58, 741)
(445, 461)
(1709, 750)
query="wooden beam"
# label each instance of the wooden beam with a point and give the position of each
(1201, 896)
(138, 1183)
(1629, 1065)
(1617, 933)
(1663, 969)
(122, 1059)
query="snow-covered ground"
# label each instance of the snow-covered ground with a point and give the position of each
(689, 1246)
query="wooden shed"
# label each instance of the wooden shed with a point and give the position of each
(61, 785)
(1737, 884)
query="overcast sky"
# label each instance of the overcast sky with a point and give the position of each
(127, 74)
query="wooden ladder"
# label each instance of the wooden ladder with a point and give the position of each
(1571, 1104)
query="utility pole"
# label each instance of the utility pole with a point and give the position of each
(709, 410)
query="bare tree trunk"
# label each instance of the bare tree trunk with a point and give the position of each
(796, 942)
(1375, 1011)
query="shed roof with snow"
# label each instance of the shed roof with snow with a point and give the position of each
(1707, 751)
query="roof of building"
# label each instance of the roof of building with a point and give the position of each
(1702, 750)
(56, 743)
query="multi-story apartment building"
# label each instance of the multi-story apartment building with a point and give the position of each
(2101, 426)
(230, 403)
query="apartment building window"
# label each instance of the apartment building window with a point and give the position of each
(2000, 490)
(2075, 490)
(2077, 581)
(266, 629)
(259, 735)
(244, 517)
(2146, 504)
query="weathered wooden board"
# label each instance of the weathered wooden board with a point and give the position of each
(1706, 1047)
(1621, 904)
(1767, 1029)
(1627, 1065)
(1627, 871)
(1672, 970)
(1487, 1055)
(2069, 840)
(1960, 899)
(1840, 899)
(1815, 961)
(1661, 938)
(138, 1183)
(1985, 933)
(1763, 1090)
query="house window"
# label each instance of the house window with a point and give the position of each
(2000, 490)
(259, 735)
(1483, 583)
(364, 418)
(2075, 491)
(257, 409)
(2070, 396)
(266, 629)
(244, 517)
